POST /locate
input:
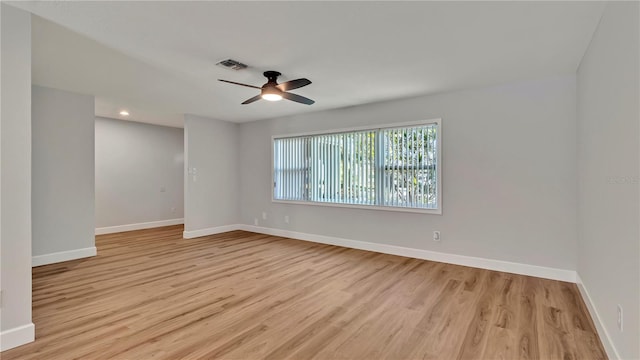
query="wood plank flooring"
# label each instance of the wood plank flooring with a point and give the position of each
(150, 294)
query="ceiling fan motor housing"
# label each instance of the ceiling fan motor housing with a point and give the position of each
(267, 90)
(270, 87)
(272, 77)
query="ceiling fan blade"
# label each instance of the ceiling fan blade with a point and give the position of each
(241, 84)
(297, 98)
(253, 99)
(293, 84)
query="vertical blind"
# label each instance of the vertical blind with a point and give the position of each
(393, 167)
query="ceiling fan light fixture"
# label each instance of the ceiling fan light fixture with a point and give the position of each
(272, 91)
(272, 97)
(271, 94)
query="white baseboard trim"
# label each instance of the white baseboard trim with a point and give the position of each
(17, 336)
(210, 231)
(61, 256)
(482, 263)
(612, 353)
(138, 226)
(489, 264)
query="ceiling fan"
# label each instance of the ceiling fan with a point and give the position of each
(272, 91)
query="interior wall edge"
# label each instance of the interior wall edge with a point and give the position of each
(611, 350)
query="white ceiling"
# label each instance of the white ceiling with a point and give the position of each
(157, 58)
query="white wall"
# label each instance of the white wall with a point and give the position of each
(509, 174)
(609, 169)
(15, 179)
(62, 175)
(139, 173)
(211, 192)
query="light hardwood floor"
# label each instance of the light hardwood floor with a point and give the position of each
(150, 294)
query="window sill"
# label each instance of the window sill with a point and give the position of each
(365, 207)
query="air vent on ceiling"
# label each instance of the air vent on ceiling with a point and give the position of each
(232, 64)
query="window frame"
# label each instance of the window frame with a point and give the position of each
(437, 211)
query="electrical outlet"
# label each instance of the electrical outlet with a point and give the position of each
(620, 318)
(436, 236)
(286, 219)
(264, 215)
(173, 209)
(255, 221)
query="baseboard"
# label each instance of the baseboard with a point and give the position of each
(63, 256)
(612, 353)
(482, 263)
(138, 226)
(489, 264)
(210, 231)
(17, 336)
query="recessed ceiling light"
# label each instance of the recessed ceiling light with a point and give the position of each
(124, 113)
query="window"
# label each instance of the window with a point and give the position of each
(395, 168)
